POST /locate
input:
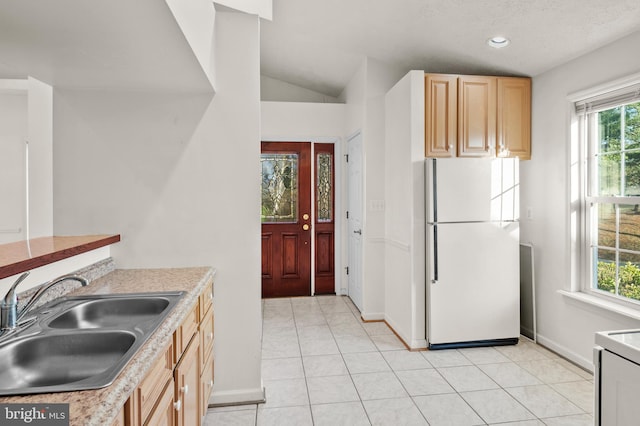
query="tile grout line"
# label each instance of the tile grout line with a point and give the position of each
(347, 367)
(304, 371)
(326, 313)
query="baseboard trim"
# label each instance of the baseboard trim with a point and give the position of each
(414, 345)
(373, 317)
(569, 355)
(237, 397)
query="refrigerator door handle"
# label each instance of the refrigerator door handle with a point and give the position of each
(434, 192)
(435, 254)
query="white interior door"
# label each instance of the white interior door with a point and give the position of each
(354, 222)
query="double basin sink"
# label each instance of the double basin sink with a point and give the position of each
(79, 343)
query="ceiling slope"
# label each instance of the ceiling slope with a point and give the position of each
(320, 44)
(115, 44)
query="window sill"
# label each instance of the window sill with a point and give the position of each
(606, 305)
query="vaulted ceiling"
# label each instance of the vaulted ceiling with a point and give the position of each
(319, 44)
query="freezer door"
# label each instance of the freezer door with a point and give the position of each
(476, 296)
(472, 189)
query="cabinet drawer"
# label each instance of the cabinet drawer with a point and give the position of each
(206, 299)
(185, 332)
(154, 384)
(206, 384)
(164, 412)
(206, 337)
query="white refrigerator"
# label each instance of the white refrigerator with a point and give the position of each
(472, 250)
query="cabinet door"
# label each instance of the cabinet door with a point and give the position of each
(164, 412)
(476, 116)
(153, 385)
(620, 391)
(514, 117)
(206, 385)
(441, 110)
(206, 338)
(187, 379)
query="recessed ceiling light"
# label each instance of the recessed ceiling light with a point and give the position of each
(498, 42)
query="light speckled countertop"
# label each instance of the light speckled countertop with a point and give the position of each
(100, 406)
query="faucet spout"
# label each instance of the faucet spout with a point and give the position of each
(46, 286)
(9, 307)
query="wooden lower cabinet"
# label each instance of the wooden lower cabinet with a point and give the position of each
(164, 412)
(144, 400)
(176, 390)
(187, 386)
(206, 385)
(206, 357)
(120, 418)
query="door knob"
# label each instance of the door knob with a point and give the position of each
(358, 231)
(305, 227)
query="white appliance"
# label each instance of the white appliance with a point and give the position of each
(472, 249)
(616, 359)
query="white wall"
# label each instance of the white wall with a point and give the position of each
(564, 325)
(40, 136)
(13, 134)
(272, 89)
(196, 20)
(364, 96)
(262, 8)
(176, 175)
(404, 283)
(26, 114)
(302, 121)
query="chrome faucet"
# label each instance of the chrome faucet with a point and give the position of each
(10, 315)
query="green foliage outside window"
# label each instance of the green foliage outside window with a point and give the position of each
(629, 279)
(619, 224)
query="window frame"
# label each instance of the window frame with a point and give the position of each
(583, 162)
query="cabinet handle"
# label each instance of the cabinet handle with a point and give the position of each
(210, 336)
(210, 383)
(185, 389)
(210, 296)
(177, 405)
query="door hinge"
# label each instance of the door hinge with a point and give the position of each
(346, 157)
(347, 214)
(347, 268)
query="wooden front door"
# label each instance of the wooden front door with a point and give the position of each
(324, 218)
(290, 225)
(286, 219)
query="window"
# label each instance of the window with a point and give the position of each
(609, 128)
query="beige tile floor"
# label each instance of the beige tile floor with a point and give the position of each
(322, 366)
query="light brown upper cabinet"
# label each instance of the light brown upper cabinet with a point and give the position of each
(441, 115)
(477, 116)
(514, 117)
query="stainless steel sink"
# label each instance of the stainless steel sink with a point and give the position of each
(111, 312)
(79, 343)
(47, 361)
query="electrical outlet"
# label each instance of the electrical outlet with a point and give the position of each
(376, 205)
